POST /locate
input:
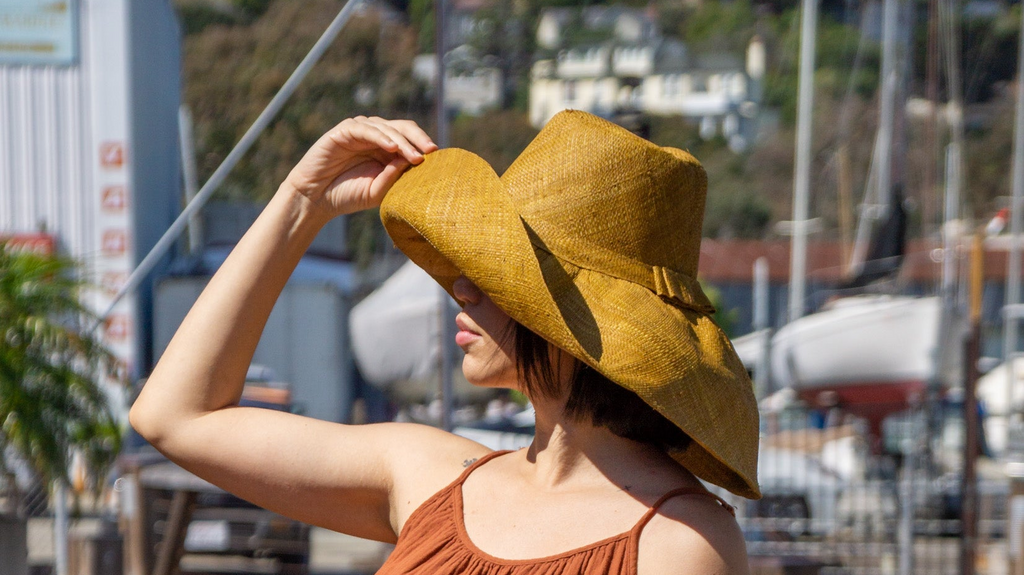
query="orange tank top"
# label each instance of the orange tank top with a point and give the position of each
(434, 541)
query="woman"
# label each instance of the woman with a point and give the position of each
(574, 272)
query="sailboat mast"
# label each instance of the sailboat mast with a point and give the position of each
(1013, 266)
(887, 106)
(801, 189)
(881, 161)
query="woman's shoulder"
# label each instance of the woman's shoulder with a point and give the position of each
(692, 533)
(423, 460)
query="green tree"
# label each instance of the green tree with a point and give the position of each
(50, 402)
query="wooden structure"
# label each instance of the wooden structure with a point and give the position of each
(176, 523)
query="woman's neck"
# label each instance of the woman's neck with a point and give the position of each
(567, 453)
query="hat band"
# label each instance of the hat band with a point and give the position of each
(681, 289)
(677, 288)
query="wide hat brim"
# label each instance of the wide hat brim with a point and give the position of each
(452, 216)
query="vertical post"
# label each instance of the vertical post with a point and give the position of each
(444, 331)
(951, 212)
(172, 546)
(188, 173)
(890, 19)
(972, 352)
(1013, 270)
(445, 354)
(761, 371)
(801, 191)
(60, 530)
(931, 143)
(845, 207)
(440, 111)
(908, 507)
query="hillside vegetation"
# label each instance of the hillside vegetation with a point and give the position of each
(238, 53)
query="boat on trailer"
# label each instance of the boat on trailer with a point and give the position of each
(869, 355)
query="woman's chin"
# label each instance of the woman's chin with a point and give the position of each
(489, 378)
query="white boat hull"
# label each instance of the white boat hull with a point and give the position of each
(870, 353)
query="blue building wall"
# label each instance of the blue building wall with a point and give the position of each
(155, 72)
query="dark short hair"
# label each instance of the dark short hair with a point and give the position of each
(592, 397)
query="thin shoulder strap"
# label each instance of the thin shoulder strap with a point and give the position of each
(472, 465)
(676, 493)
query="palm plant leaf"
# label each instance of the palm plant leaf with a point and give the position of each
(50, 401)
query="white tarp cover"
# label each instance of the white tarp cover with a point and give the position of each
(396, 337)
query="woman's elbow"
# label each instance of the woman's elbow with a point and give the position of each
(146, 422)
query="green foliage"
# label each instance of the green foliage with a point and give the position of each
(989, 54)
(238, 53)
(232, 72)
(505, 33)
(725, 318)
(50, 403)
(838, 70)
(421, 17)
(252, 8)
(716, 25)
(195, 17)
(497, 136)
(740, 214)
(989, 152)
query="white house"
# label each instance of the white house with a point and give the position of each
(635, 68)
(472, 84)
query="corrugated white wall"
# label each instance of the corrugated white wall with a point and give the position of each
(44, 165)
(73, 138)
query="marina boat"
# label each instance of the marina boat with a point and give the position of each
(866, 354)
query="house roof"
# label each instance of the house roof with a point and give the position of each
(732, 261)
(717, 61)
(470, 5)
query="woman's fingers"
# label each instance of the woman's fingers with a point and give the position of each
(409, 131)
(412, 141)
(401, 137)
(359, 134)
(387, 177)
(358, 160)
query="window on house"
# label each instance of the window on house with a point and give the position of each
(672, 86)
(570, 90)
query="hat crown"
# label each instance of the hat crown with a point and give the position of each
(585, 185)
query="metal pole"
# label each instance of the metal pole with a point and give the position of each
(890, 20)
(441, 112)
(440, 15)
(905, 534)
(801, 191)
(972, 352)
(762, 376)
(188, 173)
(445, 352)
(1013, 270)
(60, 529)
(951, 212)
(243, 145)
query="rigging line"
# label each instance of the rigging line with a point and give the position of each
(951, 45)
(233, 157)
(976, 72)
(846, 116)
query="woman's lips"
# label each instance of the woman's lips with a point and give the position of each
(466, 335)
(464, 338)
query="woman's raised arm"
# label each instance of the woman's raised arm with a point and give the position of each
(355, 479)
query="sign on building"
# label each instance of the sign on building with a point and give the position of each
(38, 32)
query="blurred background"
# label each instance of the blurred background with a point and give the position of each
(861, 244)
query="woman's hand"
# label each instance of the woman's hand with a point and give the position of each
(351, 167)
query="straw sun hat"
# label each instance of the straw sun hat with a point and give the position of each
(591, 240)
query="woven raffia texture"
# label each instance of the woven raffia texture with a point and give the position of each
(591, 239)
